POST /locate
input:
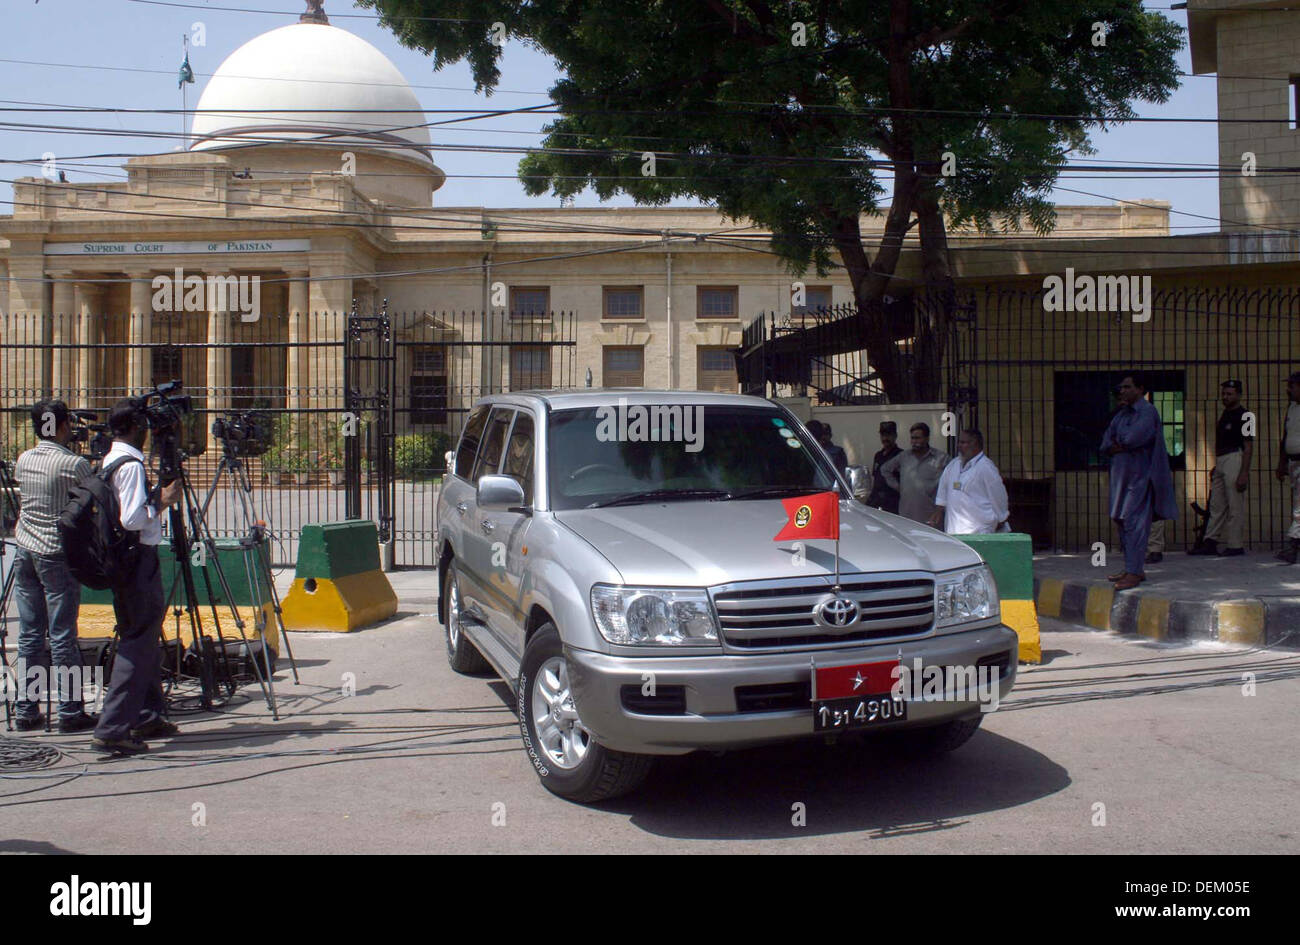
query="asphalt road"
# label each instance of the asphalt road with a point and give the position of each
(421, 760)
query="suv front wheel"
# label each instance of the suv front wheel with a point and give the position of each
(568, 760)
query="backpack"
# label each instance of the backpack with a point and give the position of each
(101, 554)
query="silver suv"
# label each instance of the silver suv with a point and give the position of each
(611, 555)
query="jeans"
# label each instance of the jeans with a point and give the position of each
(48, 599)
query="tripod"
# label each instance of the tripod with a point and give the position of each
(252, 548)
(8, 501)
(212, 671)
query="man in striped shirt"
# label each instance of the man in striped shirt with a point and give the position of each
(47, 595)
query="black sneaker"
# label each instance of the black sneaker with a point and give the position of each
(119, 746)
(29, 725)
(1154, 557)
(1207, 547)
(158, 728)
(1231, 552)
(77, 723)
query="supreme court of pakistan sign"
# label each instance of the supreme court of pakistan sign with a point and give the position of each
(186, 246)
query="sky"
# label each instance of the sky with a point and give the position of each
(125, 53)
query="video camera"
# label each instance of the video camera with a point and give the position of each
(169, 415)
(245, 434)
(86, 429)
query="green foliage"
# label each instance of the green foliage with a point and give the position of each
(420, 455)
(280, 440)
(802, 138)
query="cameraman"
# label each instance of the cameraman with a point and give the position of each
(47, 594)
(133, 707)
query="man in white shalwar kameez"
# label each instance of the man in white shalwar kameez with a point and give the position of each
(971, 499)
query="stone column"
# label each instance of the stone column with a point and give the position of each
(218, 378)
(63, 331)
(139, 359)
(87, 301)
(298, 376)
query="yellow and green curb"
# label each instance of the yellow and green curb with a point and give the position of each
(1011, 559)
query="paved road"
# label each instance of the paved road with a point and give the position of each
(416, 760)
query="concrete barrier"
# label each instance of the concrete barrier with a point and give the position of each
(1011, 558)
(96, 618)
(338, 584)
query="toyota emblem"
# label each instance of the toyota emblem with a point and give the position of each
(837, 612)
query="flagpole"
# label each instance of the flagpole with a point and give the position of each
(837, 537)
(185, 132)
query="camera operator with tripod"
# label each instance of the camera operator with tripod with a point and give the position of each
(47, 595)
(134, 708)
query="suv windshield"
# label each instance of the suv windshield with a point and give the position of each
(633, 453)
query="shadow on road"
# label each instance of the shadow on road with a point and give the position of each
(844, 788)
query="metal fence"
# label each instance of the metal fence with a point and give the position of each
(1041, 386)
(1044, 393)
(359, 408)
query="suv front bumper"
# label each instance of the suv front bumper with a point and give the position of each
(710, 717)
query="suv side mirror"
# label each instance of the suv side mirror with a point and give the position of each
(499, 494)
(859, 482)
(449, 460)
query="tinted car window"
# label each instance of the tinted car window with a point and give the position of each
(726, 448)
(467, 453)
(494, 440)
(519, 455)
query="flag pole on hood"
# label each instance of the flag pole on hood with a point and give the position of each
(837, 538)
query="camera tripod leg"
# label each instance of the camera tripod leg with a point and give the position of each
(204, 536)
(10, 681)
(255, 532)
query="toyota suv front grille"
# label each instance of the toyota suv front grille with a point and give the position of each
(772, 614)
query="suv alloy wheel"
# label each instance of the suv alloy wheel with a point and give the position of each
(568, 760)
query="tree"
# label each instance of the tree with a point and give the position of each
(791, 114)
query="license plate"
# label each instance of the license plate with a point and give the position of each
(858, 695)
(839, 714)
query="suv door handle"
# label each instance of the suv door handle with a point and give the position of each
(488, 526)
(462, 508)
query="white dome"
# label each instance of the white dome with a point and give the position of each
(296, 69)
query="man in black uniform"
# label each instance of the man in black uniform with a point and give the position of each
(1232, 451)
(883, 495)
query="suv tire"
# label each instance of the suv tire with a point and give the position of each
(569, 762)
(463, 656)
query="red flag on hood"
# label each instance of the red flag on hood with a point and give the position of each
(811, 516)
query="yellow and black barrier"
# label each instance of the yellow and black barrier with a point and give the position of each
(338, 584)
(1011, 559)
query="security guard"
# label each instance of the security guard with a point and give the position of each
(1233, 449)
(1288, 466)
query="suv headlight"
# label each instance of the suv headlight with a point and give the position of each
(963, 596)
(653, 616)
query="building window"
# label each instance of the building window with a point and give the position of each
(714, 301)
(530, 367)
(715, 369)
(243, 379)
(817, 300)
(165, 362)
(428, 397)
(624, 367)
(623, 301)
(1085, 403)
(530, 301)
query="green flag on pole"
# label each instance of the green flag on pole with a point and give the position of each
(186, 74)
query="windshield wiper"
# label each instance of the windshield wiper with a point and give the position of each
(634, 498)
(764, 492)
